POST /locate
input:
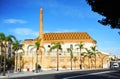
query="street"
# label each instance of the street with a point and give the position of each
(86, 74)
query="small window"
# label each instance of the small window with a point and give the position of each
(71, 46)
(49, 46)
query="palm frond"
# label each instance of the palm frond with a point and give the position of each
(12, 37)
(70, 51)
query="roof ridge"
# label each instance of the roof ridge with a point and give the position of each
(63, 32)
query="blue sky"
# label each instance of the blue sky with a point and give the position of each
(21, 19)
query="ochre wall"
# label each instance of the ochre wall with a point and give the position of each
(50, 62)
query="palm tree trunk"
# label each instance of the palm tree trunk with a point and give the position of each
(71, 63)
(95, 61)
(0, 57)
(57, 61)
(4, 67)
(102, 63)
(88, 63)
(32, 61)
(75, 65)
(20, 61)
(0, 63)
(80, 60)
(16, 61)
(20, 64)
(37, 61)
(41, 57)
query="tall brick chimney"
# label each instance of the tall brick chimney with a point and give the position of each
(41, 24)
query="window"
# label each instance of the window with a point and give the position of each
(71, 46)
(49, 46)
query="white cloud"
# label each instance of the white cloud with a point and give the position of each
(25, 31)
(14, 21)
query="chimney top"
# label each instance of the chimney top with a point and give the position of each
(40, 8)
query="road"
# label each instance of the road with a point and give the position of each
(88, 74)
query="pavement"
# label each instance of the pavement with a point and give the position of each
(42, 72)
(30, 73)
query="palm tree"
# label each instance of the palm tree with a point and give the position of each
(56, 45)
(4, 40)
(71, 55)
(80, 46)
(94, 49)
(88, 54)
(16, 47)
(37, 46)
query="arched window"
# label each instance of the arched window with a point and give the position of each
(71, 46)
(49, 46)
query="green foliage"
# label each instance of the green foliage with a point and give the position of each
(17, 45)
(94, 49)
(6, 62)
(36, 45)
(109, 9)
(80, 45)
(5, 38)
(56, 45)
(88, 53)
(70, 51)
(9, 62)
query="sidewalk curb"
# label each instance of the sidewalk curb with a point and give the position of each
(24, 74)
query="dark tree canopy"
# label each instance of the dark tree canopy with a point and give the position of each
(110, 9)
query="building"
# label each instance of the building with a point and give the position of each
(48, 60)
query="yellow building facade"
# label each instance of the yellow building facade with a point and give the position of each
(48, 60)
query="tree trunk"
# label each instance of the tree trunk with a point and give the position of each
(37, 61)
(80, 60)
(0, 58)
(71, 63)
(95, 61)
(88, 63)
(57, 61)
(4, 68)
(16, 61)
(32, 61)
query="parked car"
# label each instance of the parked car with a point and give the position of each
(115, 65)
